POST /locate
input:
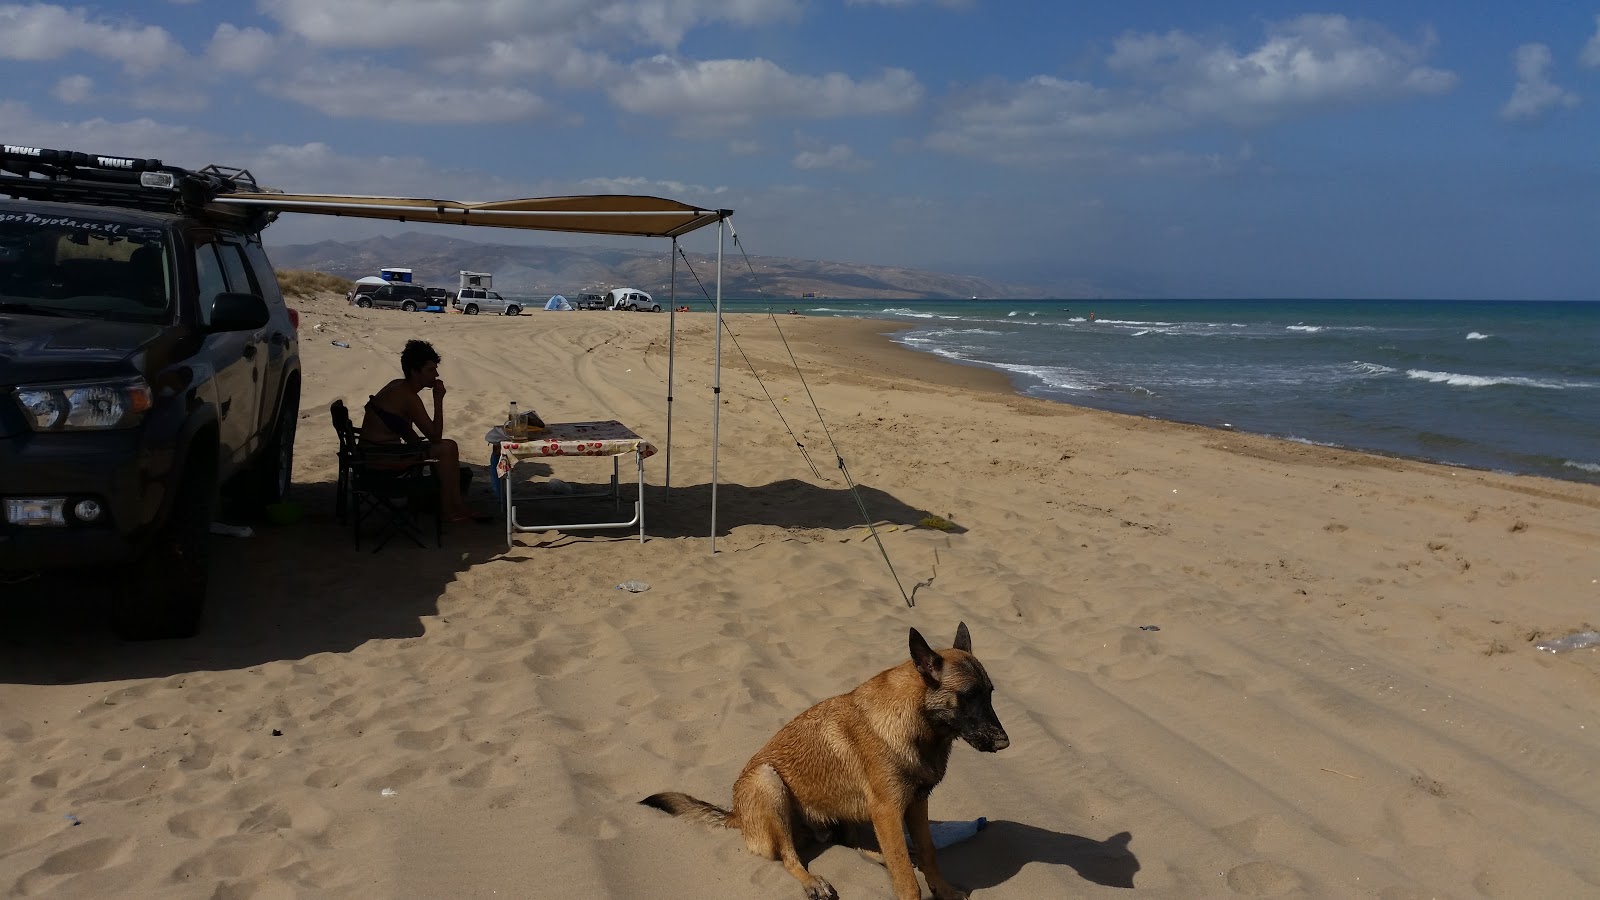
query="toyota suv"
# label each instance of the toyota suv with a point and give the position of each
(147, 362)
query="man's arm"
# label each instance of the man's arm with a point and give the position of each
(431, 427)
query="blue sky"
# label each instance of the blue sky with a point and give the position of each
(1425, 149)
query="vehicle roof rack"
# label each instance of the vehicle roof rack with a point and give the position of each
(67, 176)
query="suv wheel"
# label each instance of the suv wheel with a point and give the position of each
(364, 303)
(472, 309)
(409, 306)
(270, 476)
(513, 310)
(168, 590)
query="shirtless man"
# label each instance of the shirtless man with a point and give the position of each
(395, 415)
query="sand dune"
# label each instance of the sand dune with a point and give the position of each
(1229, 666)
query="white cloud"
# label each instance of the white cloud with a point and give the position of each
(1590, 55)
(1311, 62)
(354, 91)
(1176, 82)
(1535, 95)
(74, 89)
(236, 49)
(634, 184)
(727, 92)
(515, 57)
(40, 31)
(836, 156)
(453, 25)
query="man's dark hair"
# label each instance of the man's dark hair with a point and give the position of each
(416, 355)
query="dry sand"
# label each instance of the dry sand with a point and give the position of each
(1342, 698)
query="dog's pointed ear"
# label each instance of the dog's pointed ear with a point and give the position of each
(929, 663)
(963, 639)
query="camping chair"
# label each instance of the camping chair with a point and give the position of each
(393, 483)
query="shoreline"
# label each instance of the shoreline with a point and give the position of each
(940, 370)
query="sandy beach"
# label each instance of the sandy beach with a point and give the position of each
(1229, 665)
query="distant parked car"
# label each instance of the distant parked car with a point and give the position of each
(589, 301)
(473, 301)
(631, 299)
(396, 295)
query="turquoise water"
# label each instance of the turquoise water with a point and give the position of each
(1508, 386)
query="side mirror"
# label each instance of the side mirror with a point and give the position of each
(239, 312)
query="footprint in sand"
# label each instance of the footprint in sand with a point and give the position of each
(1263, 879)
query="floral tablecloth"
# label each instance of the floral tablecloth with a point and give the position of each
(567, 439)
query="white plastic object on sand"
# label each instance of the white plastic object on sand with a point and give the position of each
(1576, 641)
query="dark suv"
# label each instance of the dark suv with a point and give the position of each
(147, 361)
(397, 295)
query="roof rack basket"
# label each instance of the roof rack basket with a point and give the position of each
(65, 176)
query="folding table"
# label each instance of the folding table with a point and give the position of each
(560, 439)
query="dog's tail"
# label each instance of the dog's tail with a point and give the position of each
(687, 807)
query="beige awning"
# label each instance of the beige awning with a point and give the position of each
(618, 214)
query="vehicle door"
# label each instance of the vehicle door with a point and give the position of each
(256, 271)
(234, 355)
(493, 302)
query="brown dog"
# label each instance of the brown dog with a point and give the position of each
(871, 756)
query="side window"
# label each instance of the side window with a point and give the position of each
(208, 276)
(266, 278)
(240, 278)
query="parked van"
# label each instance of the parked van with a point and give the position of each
(477, 300)
(631, 299)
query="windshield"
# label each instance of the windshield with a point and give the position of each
(83, 268)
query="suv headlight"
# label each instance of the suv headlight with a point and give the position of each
(90, 406)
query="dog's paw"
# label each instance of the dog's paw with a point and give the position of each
(820, 890)
(949, 892)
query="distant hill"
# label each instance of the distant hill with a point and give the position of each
(541, 271)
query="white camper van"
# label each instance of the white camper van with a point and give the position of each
(474, 297)
(631, 299)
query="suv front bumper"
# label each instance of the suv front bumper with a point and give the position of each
(112, 468)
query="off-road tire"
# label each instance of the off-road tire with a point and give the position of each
(166, 594)
(472, 309)
(364, 303)
(267, 480)
(513, 310)
(408, 306)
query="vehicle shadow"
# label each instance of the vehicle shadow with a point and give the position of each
(290, 592)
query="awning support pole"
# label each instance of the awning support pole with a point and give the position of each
(716, 386)
(672, 343)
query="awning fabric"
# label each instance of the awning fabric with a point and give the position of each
(618, 214)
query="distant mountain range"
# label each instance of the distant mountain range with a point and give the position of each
(541, 271)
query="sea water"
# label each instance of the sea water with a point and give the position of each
(1506, 386)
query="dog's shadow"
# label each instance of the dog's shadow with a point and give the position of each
(999, 851)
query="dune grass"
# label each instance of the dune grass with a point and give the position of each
(301, 283)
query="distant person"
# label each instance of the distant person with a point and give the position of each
(396, 415)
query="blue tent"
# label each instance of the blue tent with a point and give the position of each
(558, 302)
